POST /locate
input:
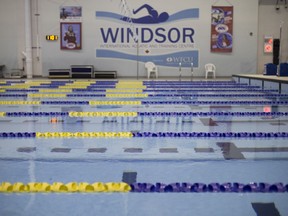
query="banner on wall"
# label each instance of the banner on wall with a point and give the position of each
(145, 32)
(222, 29)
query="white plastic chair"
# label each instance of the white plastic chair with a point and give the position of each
(210, 68)
(151, 69)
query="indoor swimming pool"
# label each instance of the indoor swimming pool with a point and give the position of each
(145, 148)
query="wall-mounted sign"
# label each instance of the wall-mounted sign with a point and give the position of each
(147, 32)
(70, 13)
(51, 37)
(222, 29)
(71, 36)
(268, 44)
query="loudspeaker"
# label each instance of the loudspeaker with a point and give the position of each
(276, 48)
(276, 60)
(276, 43)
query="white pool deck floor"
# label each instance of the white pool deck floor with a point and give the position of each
(167, 147)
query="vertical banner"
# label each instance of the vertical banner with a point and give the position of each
(222, 29)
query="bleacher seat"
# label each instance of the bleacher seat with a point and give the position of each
(270, 69)
(283, 69)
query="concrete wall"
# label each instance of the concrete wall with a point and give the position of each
(248, 30)
(243, 59)
(270, 20)
(11, 34)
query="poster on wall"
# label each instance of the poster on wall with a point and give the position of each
(268, 44)
(222, 29)
(70, 36)
(70, 13)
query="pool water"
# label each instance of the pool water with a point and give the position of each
(182, 147)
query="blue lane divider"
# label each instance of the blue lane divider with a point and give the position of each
(18, 134)
(100, 86)
(37, 90)
(22, 90)
(158, 95)
(189, 90)
(184, 114)
(229, 187)
(175, 134)
(213, 134)
(10, 82)
(13, 95)
(218, 95)
(35, 114)
(196, 84)
(178, 102)
(89, 86)
(194, 81)
(46, 87)
(65, 102)
(85, 95)
(204, 86)
(217, 102)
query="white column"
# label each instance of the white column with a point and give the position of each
(28, 39)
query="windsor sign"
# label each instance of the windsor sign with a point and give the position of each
(154, 34)
(148, 35)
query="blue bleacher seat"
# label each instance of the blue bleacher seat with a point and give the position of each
(270, 69)
(283, 69)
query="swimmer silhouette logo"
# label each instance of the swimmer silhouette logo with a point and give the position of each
(152, 31)
(152, 17)
(222, 29)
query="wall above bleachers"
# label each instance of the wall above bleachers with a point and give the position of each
(106, 42)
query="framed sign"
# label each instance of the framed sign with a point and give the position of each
(268, 44)
(71, 36)
(70, 13)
